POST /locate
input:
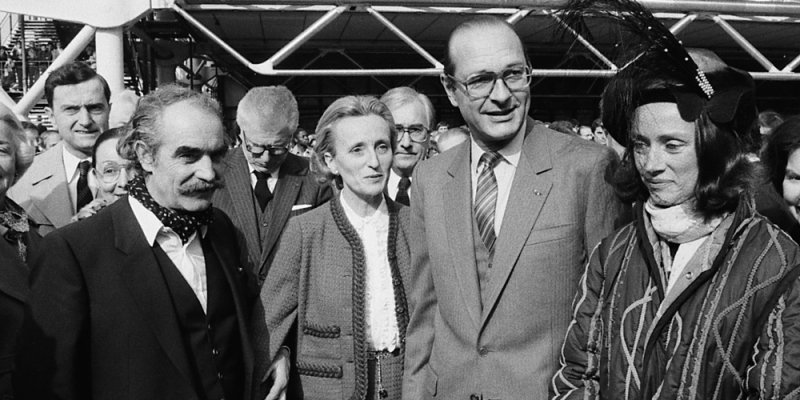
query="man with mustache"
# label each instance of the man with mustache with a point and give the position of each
(147, 299)
(58, 184)
(266, 184)
(414, 117)
(502, 225)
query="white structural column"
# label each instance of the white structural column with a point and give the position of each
(110, 57)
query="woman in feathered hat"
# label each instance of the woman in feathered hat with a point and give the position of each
(699, 297)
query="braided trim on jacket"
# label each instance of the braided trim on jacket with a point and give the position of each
(319, 370)
(320, 331)
(359, 300)
(400, 304)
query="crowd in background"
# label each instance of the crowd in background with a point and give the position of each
(148, 252)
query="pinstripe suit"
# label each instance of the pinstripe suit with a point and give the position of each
(259, 231)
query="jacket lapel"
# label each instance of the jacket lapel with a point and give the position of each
(280, 208)
(146, 285)
(49, 188)
(239, 190)
(529, 190)
(457, 198)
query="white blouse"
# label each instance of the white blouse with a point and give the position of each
(381, 317)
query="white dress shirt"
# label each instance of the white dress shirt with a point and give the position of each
(381, 317)
(73, 173)
(188, 258)
(391, 185)
(504, 173)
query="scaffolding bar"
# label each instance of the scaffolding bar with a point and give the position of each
(73, 49)
(746, 45)
(585, 43)
(431, 59)
(303, 37)
(682, 24)
(211, 35)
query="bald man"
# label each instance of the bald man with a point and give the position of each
(265, 184)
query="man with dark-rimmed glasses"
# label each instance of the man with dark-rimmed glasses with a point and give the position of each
(265, 184)
(501, 228)
(414, 117)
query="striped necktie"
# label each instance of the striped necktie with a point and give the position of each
(486, 198)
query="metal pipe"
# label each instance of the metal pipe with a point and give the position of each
(431, 59)
(24, 54)
(7, 101)
(303, 37)
(211, 35)
(683, 23)
(73, 49)
(519, 15)
(746, 45)
(347, 57)
(346, 72)
(792, 65)
(110, 58)
(585, 42)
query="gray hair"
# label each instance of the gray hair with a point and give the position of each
(145, 124)
(400, 96)
(269, 106)
(23, 151)
(343, 107)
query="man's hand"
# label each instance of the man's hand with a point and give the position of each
(279, 371)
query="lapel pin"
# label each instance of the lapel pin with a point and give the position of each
(536, 192)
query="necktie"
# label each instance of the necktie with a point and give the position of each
(402, 191)
(84, 194)
(263, 195)
(486, 198)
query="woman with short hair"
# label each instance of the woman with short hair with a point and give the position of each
(336, 295)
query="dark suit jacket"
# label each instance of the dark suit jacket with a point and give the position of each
(296, 188)
(100, 322)
(558, 209)
(13, 294)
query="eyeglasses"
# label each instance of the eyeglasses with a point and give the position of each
(481, 85)
(258, 150)
(417, 133)
(110, 171)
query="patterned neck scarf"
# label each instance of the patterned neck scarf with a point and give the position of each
(184, 224)
(680, 223)
(16, 221)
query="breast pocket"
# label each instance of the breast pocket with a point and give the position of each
(552, 234)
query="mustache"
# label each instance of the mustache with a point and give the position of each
(201, 186)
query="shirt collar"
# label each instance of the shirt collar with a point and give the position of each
(272, 174)
(149, 223)
(71, 163)
(511, 152)
(356, 220)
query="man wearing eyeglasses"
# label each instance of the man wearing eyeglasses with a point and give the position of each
(413, 116)
(502, 226)
(265, 184)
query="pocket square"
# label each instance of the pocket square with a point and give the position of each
(297, 207)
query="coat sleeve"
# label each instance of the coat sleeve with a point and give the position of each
(775, 373)
(422, 302)
(276, 312)
(53, 350)
(604, 211)
(578, 377)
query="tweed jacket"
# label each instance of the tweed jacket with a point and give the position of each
(297, 192)
(506, 346)
(725, 331)
(313, 301)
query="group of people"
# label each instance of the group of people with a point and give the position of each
(167, 259)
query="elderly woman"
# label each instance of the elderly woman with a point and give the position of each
(111, 170)
(699, 297)
(335, 295)
(17, 242)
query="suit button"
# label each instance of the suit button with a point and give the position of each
(483, 351)
(214, 352)
(474, 397)
(209, 326)
(219, 375)
(264, 224)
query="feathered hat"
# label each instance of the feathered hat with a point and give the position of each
(657, 67)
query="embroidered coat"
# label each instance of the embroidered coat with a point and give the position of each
(313, 300)
(727, 330)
